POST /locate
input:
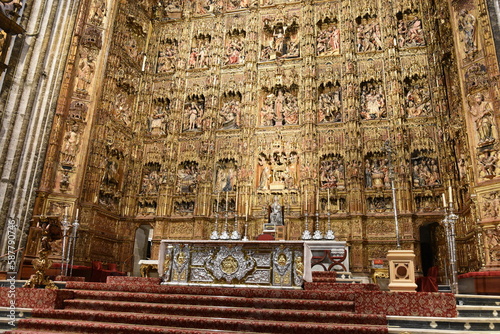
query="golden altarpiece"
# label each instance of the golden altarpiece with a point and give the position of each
(173, 111)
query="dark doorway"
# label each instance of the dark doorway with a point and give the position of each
(428, 246)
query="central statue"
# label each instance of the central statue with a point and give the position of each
(276, 215)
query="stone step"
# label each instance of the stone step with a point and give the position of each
(439, 323)
(19, 312)
(484, 300)
(399, 330)
(478, 311)
(444, 288)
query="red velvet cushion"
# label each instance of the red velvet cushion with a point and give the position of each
(97, 265)
(265, 237)
(112, 267)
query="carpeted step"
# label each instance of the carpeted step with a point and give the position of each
(325, 280)
(332, 287)
(320, 274)
(230, 301)
(338, 294)
(239, 325)
(54, 326)
(133, 280)
(229, 312)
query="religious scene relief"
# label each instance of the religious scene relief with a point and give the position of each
(417, 97)
(332, 172)
(111, 182)
(168, 9)
(488, 164)
(490, 206)
(201, 52)
(372, 101)
(492, 245)
(280, 38)
(330, 103)
(226, 173)
(235, 47)
(187, 176)
(369, 37)
(376, 172)
(167, 55)
(157, 123)
(328, 37)
(237, 4)
(337, 204)
(410, 31)
(278, 170)
(425, 170)
(279, 107)
(476, 77)
(428, 203)
(194, 109)
(230, 113)
(151, 179)
(183, 208)
(204, 7)
(379, 204)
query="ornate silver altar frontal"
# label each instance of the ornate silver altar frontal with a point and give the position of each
(234, 263)
(231, 263)
(180, 263)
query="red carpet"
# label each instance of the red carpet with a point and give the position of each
(136, 307)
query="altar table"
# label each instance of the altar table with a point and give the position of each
(248, 263)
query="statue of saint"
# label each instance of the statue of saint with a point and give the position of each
(276, 216)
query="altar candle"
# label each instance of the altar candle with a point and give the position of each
(218, 201)
(236, 202)
(317, 200)
(246, 207)
(444, 201)
(77, 212)
(227, 198)
(66, 211)
(306, 200)
(450, 194)
(328, 194)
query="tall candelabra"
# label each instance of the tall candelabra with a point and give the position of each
(245, 238)
(224, 235)
(72, 245)
(64, 254)
(449, 222)
(388, 149)
(235, 235)
(317, 233)
(329, 235)
(215, 234)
